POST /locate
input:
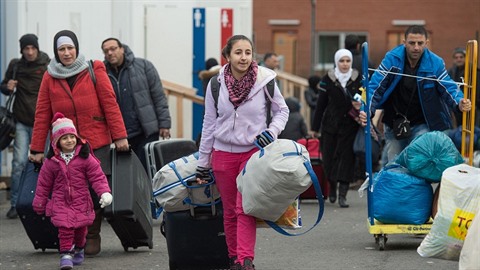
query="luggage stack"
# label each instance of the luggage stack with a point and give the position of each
(195, 238)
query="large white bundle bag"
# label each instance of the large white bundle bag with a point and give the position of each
(273, 178)
(170, 188)
(470, 255)
(459, 201)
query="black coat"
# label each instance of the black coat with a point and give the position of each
(338, 129)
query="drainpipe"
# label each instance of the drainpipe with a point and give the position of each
(312, 37)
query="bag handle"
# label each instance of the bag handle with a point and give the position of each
(11, 97)
(318, 191)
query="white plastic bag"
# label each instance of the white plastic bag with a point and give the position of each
(458, 202)
(273, 178)
(470, 255)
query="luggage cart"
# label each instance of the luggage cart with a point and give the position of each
(469, 91)
(379, 230)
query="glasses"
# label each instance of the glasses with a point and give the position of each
(111, 49)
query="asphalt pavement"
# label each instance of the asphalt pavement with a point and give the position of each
(340, 241)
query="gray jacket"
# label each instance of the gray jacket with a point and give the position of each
(140, 79)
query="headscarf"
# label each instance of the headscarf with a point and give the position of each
(343, 77)
(62, 34)
(239, 90)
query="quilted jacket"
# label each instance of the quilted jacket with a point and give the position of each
(71, 204)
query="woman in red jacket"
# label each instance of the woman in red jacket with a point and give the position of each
(67, 87)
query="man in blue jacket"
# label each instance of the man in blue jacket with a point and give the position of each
(413, 88)
(140, 96)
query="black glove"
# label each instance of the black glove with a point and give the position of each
(204, 173)
(264, 139)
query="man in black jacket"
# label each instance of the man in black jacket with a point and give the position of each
(140, 96)
(23, 76)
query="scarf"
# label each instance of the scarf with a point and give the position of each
(238, 90)
(67, 156)
(59, 71)
(343, 77)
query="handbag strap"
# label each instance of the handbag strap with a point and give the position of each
(318, 191)
(408, 106)
(11, 97)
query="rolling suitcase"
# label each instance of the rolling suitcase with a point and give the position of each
(159, 153)
(313, 147)
(196, 238)
(129, 214)
(39, 229)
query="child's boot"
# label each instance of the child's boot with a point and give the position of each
(79, 256)
(66, 262)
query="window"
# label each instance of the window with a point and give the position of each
(328, 43)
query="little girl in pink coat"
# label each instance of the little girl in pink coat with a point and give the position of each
(66, 174)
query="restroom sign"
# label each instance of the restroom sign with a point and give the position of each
(226, 24)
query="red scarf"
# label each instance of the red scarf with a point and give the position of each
(238, 90)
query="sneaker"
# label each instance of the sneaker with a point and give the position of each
(234, 265)
(12, 213)
(248, 265)
(66, 262)
(78, 257)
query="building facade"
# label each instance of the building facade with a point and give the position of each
(285, 27)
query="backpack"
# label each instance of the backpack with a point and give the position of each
(215, 88)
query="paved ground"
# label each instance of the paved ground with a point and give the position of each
(341, 241)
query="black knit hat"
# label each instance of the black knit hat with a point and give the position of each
(64, 33)
(459, 50)
(28, 39)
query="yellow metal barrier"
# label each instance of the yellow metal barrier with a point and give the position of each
(469, 91)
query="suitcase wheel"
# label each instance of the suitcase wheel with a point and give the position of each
(172, 265)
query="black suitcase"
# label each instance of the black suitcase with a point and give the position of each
(39, 229)
(159, 153)
(129, 214)
(196, 238)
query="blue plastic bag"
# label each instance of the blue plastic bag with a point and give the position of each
(428, 155)
(401, 198)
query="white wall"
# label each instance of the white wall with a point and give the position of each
(160, 31)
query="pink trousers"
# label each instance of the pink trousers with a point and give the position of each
(69, 237)
(240, 229)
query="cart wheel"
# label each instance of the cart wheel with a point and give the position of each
(381, 243)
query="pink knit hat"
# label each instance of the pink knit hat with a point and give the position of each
(61, 126)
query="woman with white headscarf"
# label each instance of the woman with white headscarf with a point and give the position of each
(335, 117)
(69, 88)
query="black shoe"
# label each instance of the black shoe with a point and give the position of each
(248, 265)
(234, 265)
(332, 196)
(12, 213)
(342, 201)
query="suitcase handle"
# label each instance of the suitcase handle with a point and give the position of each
(190, 184)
